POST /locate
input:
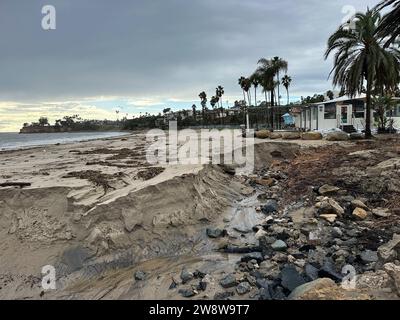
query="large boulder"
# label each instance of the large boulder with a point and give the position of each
(291, 135)
(337, 136)
(263, 134)
(275, 135)
(311, 136)
(310, 290)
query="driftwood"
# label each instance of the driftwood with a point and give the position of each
(15, 184)
(241, 250)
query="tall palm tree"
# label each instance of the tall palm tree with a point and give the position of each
(389, 27)
(279, 65)
(286, 81)
(361, 58)
(219, 92)
(255, 81)
(241, 82)
(246, 88)
(267, 73)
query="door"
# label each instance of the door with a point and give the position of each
(344, 115)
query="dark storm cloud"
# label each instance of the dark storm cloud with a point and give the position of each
(163, 48)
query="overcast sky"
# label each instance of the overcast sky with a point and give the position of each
(144, 55)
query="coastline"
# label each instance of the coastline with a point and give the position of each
(124, 133)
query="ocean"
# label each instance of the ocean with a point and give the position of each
(12, 141)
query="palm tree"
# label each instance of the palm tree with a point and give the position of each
(266, 73)
(246, 88)
(286, 81)
(278, 65)
(241, 82)
(330, 94)
(361, 58)
(219, 92)
(389, 27)
(255, 81)
(203, 102)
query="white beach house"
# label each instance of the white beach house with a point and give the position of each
(345, 113)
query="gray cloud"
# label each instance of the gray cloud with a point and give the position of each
(163, 48)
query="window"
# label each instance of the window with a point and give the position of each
(330, 111)
(358, 112)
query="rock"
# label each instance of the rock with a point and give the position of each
(279, 245)
(373, 280)
(311, 272)
(311, 136)
(228, 281)
(187, 293)
(359, 204)
(253, 256)
(270, 207)
(229, 169)
(389, 251)
(330, 206)
(328, 271)
(381, 213)
(310, 288)
(260, 234)
(266, 182)
(140, 275)
(394, 272)
(327, 190)
(263, 134)
(243, 288)
(329, 217)
(280, 257)
(186, 276)
(269, 269)
(216, 233)
(356, 136)
(224, 295)
(360, 214)
(337, 232)
(291, 278)
(291, 135)
(337, 136)
(275, 135)
(369, 256)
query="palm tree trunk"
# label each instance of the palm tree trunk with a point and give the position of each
(287, 96)
(272, 110)
(278, 98)
(368, 134)
(244, 96)
(255, 96)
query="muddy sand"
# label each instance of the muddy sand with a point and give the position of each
(115, 227)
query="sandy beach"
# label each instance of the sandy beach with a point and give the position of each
(99, 213)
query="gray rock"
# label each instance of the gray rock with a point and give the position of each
(337, 136)
(328, 190)
(243, 288)
(291, 278)
(279, 245)
(270, 207)
(186, 276)
(187, 293)
(216, 233)
(389, 251)
(253, 256)
(381, 213)
(337, 232)
(140, 275)
(228, 281)
(369, 256)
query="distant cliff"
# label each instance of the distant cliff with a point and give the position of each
(45, 129)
